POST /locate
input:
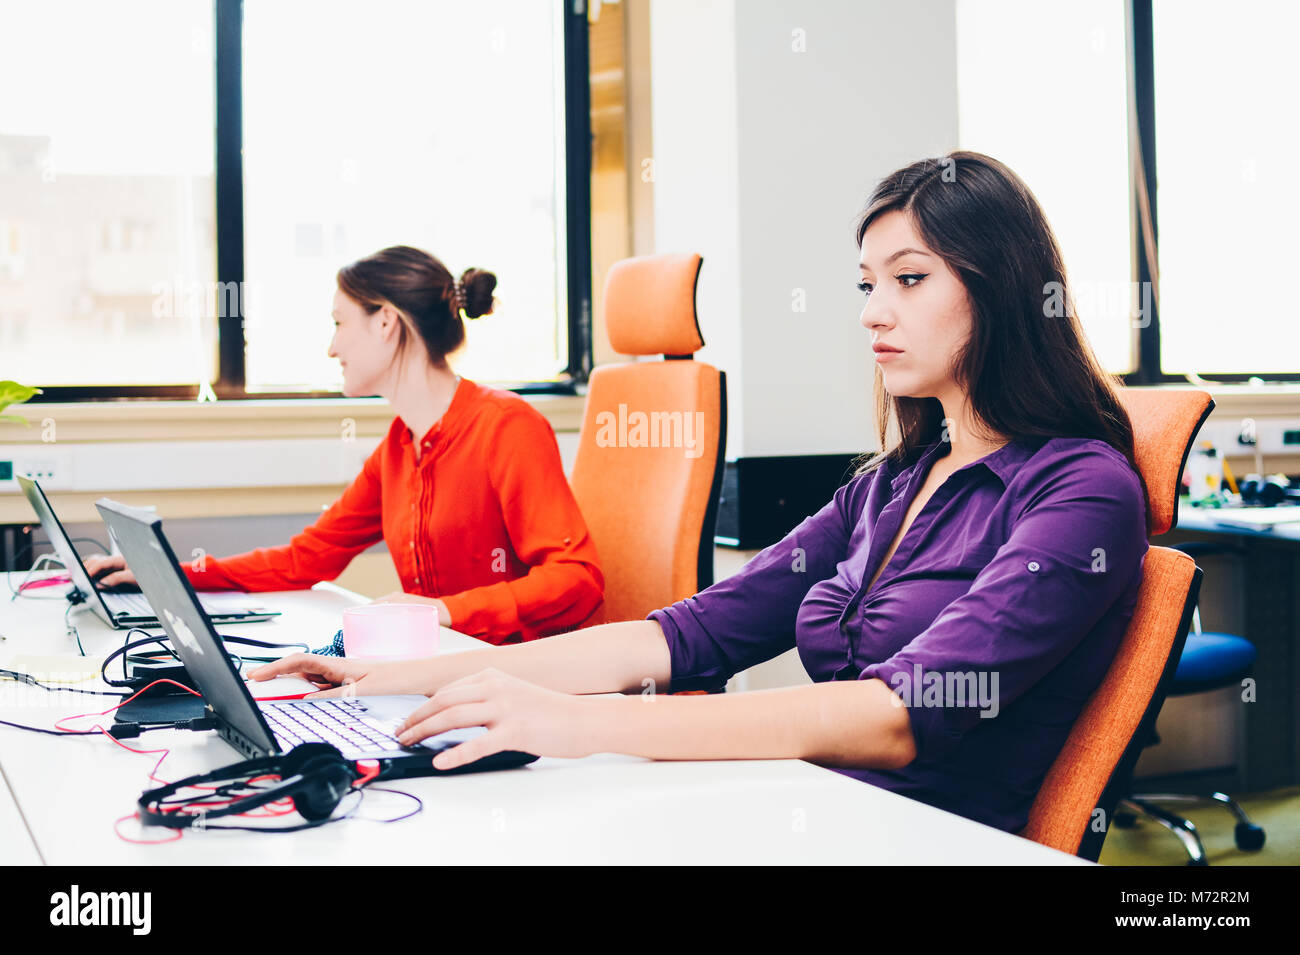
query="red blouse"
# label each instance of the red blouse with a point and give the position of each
(484, 519)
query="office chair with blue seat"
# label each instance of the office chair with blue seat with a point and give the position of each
(1209, 661)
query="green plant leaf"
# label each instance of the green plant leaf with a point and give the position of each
(12, 393)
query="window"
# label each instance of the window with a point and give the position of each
(106, 192)
(1041, 87)
(438, 125)
(180, 180)
(1227, 199)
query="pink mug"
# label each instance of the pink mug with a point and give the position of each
(390, 631)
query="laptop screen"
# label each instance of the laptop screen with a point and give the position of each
(140, 535)
(62, 544)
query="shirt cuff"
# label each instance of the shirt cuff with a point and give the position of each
(486, 612)
(934, 733)
(681, 629)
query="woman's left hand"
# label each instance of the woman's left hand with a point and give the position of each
(399, 597)
(518, 715)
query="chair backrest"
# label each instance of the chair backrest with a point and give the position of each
(1165, 423)
(648, 470)
(1076, 803)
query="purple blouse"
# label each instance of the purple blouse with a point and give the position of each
(994, 621)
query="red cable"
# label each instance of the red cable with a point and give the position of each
(268, 811)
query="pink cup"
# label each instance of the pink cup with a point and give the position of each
(390, 631)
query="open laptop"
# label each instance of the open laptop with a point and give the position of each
(126, 610)
(359, 727)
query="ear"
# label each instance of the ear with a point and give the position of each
(389, 321)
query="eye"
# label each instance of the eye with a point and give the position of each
(910, 280)
(864, 288)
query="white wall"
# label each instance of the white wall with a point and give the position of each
(772, 121)
(696, 193)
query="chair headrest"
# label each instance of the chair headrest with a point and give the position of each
(1165, 422)
(650, 305)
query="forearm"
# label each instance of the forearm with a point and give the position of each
(612, 658)
(552, 597)
(848, 724)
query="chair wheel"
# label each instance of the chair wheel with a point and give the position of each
(1250, 837)
(1124, 820)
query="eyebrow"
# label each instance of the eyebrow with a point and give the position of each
(899, 254)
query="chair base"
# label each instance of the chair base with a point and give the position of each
(1248, 836)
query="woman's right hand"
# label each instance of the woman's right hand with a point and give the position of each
(348, 677)
(113, 569)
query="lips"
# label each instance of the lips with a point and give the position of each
(886, 350)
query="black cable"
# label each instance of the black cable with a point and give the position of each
(32, 681)
(50, 732)
(419, 804)
(162, 640)
(18, 591)
(226, 791)
(131, 730)
(120, 651)
(53, 553)
(298, 828)
(72, 627)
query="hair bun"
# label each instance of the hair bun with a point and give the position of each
(476, 288)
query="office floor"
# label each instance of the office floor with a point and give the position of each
(1149, 843)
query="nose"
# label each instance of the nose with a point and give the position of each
(333, 351)
(876, 315)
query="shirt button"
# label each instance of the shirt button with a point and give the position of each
(1033, 566)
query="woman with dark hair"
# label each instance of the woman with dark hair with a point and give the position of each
(467, 488)
(956, 602)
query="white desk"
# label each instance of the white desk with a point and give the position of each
(602, 809)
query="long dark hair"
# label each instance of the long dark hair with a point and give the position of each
(423, 291)
(1027, 367)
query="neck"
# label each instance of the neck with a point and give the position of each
(421, 395)
(970, 439)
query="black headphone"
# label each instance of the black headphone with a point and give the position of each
(314, 775)
(1267, 491)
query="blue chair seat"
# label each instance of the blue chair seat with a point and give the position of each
(1210, 661)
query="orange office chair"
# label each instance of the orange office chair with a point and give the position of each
(1076, 803)
(649, 466)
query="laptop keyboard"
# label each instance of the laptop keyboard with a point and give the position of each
(136, 605)
(335, 721)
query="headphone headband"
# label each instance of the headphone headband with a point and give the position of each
(314, 775)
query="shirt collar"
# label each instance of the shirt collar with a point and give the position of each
(451, 418)
(1004, 462)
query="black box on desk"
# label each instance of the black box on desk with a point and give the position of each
(763, 499)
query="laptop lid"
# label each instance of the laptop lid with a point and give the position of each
(140, 535)
(63, 547)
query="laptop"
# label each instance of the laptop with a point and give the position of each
(126, 610)
(359, 727)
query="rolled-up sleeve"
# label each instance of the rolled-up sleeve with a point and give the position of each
(1074, 549)
(750, 616)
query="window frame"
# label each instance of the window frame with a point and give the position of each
(230, 383)
(1142, 154)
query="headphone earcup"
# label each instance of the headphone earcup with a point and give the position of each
(326, 779)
